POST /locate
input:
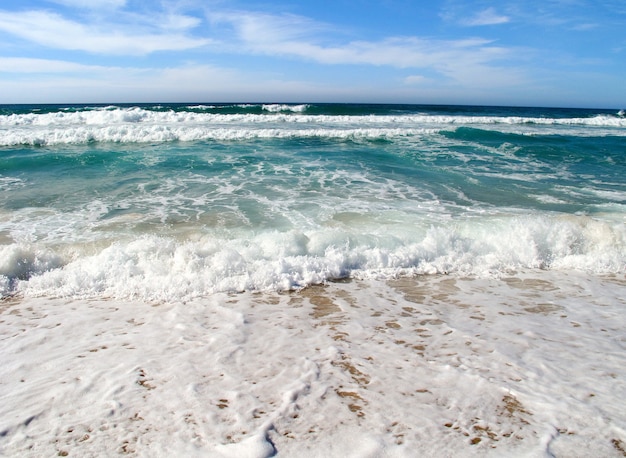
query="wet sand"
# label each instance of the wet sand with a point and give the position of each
(528, 365)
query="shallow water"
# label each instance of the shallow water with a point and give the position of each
(178, 202)
(529, 365)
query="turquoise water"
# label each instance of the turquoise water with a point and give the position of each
(170, 201)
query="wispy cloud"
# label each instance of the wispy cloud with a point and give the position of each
(415, 79)
(460, 62)
(64, 81)
(53, 30)
(265, 34)
(585, 27)
(298, 38)
(488, 16)
(30, 65)
(91, 4)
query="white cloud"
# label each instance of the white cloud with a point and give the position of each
(280, 36)
(265, 27)
(585, 27)
(190, 82)
(177, 22)
(415, 80)
(91, 4)
(486, 17)
(466, 61)
(460, 63)
(29, 65)
(52, 30)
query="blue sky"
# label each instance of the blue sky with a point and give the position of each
(538, 53)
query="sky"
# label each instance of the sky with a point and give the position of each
(560, 53)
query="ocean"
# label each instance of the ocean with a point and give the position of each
(312, 280)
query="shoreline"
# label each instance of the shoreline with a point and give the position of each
(445, 365)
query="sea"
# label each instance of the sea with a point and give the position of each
(171, 202)
(312, 280)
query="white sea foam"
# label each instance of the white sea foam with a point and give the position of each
(139, 125)
(166, 268)
(277, 108)
(136, 114)
(149, 134)
(19, 262)
(548, 199)
(7, 183)
(530, 365)
(204, 107)
(469, 319)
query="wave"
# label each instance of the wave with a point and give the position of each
(278, 114)
(282, 113)
(167, 134)
(277, 108)
(8, 183)
(167, 269)
(251, 107)
(135, 124)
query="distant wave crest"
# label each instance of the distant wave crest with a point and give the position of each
(277, 108)
(150, 134)
(135, 124)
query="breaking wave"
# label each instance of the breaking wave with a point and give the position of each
(135, 124)
(164, 268)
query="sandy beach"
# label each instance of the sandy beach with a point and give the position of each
(428, 366)
(251, 229)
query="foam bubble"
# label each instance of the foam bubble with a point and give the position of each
(276, 108)
(21, 262)
(150, 134)
(449, 366)
(164, 268)
(135, 124)
(8, 183)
